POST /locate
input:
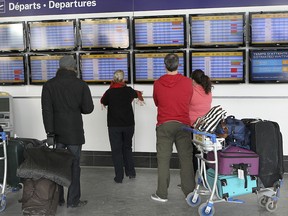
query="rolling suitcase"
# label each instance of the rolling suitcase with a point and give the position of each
(233, 158)
(266, 141)
(14, 158)
(231, 185)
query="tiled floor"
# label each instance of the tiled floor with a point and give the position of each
(132, 197)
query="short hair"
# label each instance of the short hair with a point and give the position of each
(118, 76)
(171, 62)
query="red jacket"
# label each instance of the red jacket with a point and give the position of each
(172, 95)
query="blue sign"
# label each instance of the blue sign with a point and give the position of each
(11, 8)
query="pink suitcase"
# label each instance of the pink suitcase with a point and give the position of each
(233, 158)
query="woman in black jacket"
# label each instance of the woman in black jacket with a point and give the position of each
(64, 99)
(120, 121)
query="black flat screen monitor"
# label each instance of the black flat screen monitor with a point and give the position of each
(268, 28)
(268, 66)
(217, 30)
(43, 67)
(12, 70)
(52, 35)
(220, 66)
(104, 33)
(159, 32)
(12, 37)
(149, 65)
(98, 68)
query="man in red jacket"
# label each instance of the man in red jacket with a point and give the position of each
(172, 94)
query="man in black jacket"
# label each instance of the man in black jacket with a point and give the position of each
(64, 99)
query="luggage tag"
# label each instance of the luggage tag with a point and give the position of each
(241, 174)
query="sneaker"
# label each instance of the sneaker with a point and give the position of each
(157, 198)
(79, 204)
(179, 186)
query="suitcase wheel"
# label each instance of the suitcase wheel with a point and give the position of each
(206, 210)
(193, 199)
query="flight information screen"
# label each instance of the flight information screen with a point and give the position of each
(43, 67)
(268, 66)
(12, 70)
(217, 30)
(100, 68)
(111, 33)
(220, 66)
(52, 35)
(12, 37)
(159, 32)
(269, 28)
(149, 66)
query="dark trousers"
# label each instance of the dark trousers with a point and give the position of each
(121, 147)
(74, 191)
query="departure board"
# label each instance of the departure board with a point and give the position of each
(149, 66)
(52, 35)
(104, 33)
(12, 70)
(159, 32)
(43, 67)
(12, 37)
(100, 67)
(268, 29)
(216, 30)
(268, 66)
(220, 66)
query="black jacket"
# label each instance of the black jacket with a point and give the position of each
(120, 111)
(64, 98)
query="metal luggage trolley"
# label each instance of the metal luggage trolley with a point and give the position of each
(3, 185)
(205, 142)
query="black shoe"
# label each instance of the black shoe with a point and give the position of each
(117, 181)
(79, 204)
(132, 176)
(61, 203)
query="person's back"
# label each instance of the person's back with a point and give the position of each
(64, 99)
(172, 94)
(202, 96)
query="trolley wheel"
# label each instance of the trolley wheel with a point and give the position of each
(262, 201)
(202, 208)
(190, 201)
(2, 203)
(271, 205)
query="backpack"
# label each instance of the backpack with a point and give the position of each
(234, 131)
(40, 197)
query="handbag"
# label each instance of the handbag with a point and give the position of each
(44, 162)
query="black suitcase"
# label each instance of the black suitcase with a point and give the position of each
(15, 156)
(266, 141)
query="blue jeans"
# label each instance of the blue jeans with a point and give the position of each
(74, 191)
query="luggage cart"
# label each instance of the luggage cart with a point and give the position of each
(3, 185)
(207, 142)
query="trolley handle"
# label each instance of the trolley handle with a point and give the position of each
(194, 131)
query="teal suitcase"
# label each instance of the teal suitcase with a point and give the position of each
(232, 186)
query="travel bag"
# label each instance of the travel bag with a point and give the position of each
(40, 197)
(233, 158)
(266, 141)
(232, 186)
